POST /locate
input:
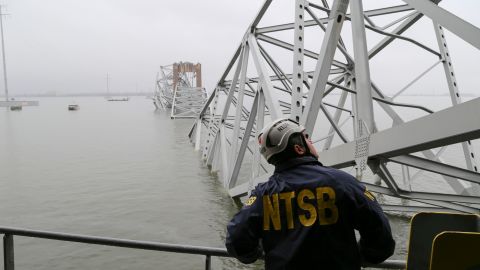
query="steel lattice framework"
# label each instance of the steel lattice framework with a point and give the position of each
(336, 97)
(179, 87)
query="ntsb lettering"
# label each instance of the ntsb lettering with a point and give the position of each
(311, 206)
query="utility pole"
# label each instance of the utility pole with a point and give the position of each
(3, 54)
(108, 89)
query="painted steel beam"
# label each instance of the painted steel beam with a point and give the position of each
(449, 205)
(387, 10)
(336, 118)
(198, 134)
(437, 167)
(289, 76)
(456, 25)
(309, 23)
(411, 40)
(383, 172)
(267, 88)
(211, 124)
(211, 151)
(397, 120)
(290, 47)
(206, 106)
(239, 105)
(395, 144)
(324, 63)
(257, 159)
(238, 159)
(363, 85)
(260, 14)
(277, 70)
(333, 123)
(233, 85)
(397, 31)
(223, 151)
(415, 208)
(297, 65)
(435, 130)
(452, 82)
(436, 199)
(340, 45)
(230, 64)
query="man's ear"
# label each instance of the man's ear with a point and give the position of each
(300, 150)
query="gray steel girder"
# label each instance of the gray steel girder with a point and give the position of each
(417, 135)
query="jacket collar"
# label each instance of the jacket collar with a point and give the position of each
(293, 162)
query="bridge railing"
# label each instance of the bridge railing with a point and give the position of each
(208, 252)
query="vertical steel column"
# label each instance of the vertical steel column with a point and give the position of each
(210, 156)
(246, 138)
(174, 103)
(363, 87)
(233, 86)
(355, 110)
(324, 63)
(213, 155)
(454, 93)
(198, 74)
(8, 254)
(223, 153)
(468, 149)
(239, 106)
(198, 134)
(259, 126)
(297, 79)
(363, 84)
(211, 122)
(406, 177)
(336, 117)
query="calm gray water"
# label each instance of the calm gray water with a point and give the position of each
(112, 169)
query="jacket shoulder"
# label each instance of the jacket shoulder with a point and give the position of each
(263, 188)
(342, 180)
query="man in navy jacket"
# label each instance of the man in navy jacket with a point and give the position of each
(305, 215)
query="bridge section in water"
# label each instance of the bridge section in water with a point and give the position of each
(179, 88)
(318, 70)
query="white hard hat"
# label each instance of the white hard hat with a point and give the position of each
(273, 138)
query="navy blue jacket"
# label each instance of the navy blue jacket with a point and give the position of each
(305, 217)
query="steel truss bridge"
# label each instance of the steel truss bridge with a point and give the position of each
(318, 70)
(179, 87)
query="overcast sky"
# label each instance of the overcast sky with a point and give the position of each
(70, 45)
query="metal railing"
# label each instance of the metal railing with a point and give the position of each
(208, 252)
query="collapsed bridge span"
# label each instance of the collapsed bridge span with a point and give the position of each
(361, 80)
